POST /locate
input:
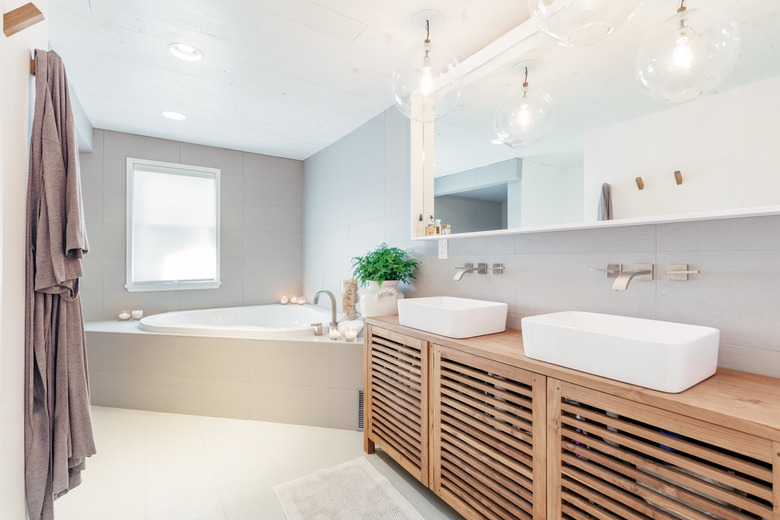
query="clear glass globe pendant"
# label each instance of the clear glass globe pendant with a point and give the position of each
(689, 54)
(524, 118)
(427, 82)
(581, 22)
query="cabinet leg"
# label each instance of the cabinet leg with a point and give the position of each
(368, 445)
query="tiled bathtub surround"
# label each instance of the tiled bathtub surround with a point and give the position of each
(261, 219)
(310, 382)
(739, 259)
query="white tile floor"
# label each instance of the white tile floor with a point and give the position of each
(159, 466)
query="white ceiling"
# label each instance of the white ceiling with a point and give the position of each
(591, 86)
(280, 77)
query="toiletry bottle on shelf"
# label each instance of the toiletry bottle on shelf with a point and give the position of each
(430, 229)
(438, 227)
(446, 229)
(420, 226)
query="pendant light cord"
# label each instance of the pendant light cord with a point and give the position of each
(682, 7)
(428, 31)
(525, 81)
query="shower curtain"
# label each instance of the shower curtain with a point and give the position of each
(58, 428)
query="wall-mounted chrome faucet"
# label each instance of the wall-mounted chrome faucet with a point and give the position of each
(642, 272)
(469, 268)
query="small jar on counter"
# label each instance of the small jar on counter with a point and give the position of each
(446, 229)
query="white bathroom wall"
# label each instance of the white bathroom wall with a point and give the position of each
(550, 195)
(356, 195)
(15, 95)
(261, 226)
(724, 146)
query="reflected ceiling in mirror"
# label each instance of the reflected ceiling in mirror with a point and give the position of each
(594, 88)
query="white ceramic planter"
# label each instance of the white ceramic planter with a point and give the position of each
(379, 301)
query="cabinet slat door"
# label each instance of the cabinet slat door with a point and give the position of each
(614, 458)
(396, 399)
(488, 438)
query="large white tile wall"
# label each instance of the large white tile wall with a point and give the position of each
(261, 226)
(356, 195)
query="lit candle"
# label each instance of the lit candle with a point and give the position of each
(350, 334)
(124, 315)
(293, 299)
(137, 314)
(301, 300)
(335, 333)
(284, 300)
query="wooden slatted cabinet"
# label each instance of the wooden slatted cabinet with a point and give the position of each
(488, 449)
(396, 399)
(614, 458)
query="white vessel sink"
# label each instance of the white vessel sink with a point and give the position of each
(660, 355)
(453, 317)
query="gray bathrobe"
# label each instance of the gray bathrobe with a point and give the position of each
(58, 427)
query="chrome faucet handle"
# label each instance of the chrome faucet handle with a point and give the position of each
(466, 266)
(317, 328)
(482, 268)
(498, 268)
(680, 271)
(612, 270)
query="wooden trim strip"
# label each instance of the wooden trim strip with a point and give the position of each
(756, 447)
(393, 367)
(390, 335)
(508, 383)
(612, 499)
(477, 429)
(397, 362)
(662, 488)
(553, 401)
(776, 479)
(665, 471)
(487, 496)
(399, 439)
(673, 442)
(381, 396)
(497, 462)
(761, 491)
(506, 487)
(588, 507)
(398, 391)
(464, 503)
(411, 383)
(518, 461)
(482, 395)
(511, 372)
(486, 423)
(524, 421)
(407, 357)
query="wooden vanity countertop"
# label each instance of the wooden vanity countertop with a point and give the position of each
(730, 398)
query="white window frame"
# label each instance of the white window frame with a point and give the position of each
(178, 169)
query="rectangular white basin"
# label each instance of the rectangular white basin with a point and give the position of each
(660, 355)
(453, 317)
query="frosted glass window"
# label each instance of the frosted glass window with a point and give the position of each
(172, 226)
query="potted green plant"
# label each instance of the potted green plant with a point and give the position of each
(379, 272)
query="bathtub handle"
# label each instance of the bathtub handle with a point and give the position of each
(317, 329)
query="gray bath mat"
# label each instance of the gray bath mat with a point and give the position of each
(350, 491)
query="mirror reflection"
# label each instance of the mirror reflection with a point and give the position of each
(608, 131)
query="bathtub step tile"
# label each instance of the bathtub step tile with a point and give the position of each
(289, 404)
(212, 358)
(291, 363)
(213, 397)
(346, 365)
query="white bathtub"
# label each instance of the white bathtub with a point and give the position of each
(255, 321)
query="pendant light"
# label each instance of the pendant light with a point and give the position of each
(580, 22)
(689, 54)
(427, 81)
(526, 117)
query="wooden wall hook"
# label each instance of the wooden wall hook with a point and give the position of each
(678, 177)
(639, 183)
(21, 18)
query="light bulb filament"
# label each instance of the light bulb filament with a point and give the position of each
(682, 55)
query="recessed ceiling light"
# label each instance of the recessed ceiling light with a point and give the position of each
(176, 116)
(186, 52)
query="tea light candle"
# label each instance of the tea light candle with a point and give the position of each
(124, 315)
(293, 299)
(137, 314)
(335, 333)
(301, 300)
(350, 334)
(284, 300)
